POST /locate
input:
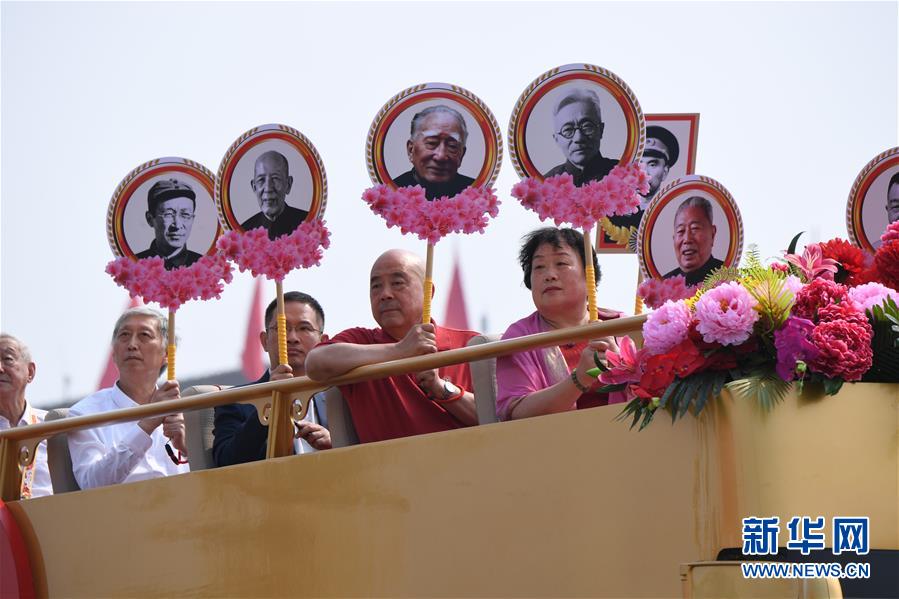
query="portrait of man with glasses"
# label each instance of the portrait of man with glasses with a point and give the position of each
(436, 147)
(171, 207)
(272, 183)
(577, 129)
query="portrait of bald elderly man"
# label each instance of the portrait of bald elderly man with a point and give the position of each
(577, 129)
(171, 207)
(694, 237)
(272, 183)
(436, 147)
(659, 155)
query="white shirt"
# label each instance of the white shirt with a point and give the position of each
(117, 453)
(40, 481)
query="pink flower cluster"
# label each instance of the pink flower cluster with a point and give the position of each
(274, 258)
(204, 279)
(666, 327)
(726, 314)
(655, 292)
(558, 198)
(872, 294)
(891, 234)
(409, 209)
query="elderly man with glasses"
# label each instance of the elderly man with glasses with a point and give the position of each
(239, 437)
(578, 127)
(436, 147)
(170, 212)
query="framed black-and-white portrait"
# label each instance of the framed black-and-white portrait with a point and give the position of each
(164, 208)
(874, 200)
(669, 153)
(271, 177)
(690, 228)
(436, 135)
(577, 118)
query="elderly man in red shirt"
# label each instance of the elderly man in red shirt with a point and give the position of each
(404, 405)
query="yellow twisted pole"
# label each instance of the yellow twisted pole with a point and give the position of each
(170, 353)
(282, 325)
(428, 286)
(590, 274)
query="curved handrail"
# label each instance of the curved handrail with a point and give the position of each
(266, 394)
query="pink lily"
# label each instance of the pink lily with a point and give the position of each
(625, 366)
(813, 264)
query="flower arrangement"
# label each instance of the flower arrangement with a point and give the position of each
(204, 279)
(827, 316)
(274, 258)
(558, 198)
(409, 209)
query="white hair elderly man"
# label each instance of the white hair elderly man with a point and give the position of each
(131, 451)
(16, 372)
(436, 147)
(577, 129)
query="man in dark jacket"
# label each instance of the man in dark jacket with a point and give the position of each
(171, 205)
(271, 183)
(578, 127)
(238, 435)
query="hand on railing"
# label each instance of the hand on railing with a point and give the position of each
(281, 372)
(173, 428)
(421, 339)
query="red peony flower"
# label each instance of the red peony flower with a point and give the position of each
(685, 358)
(853, 260)
(816, 295)
(844, 350)
(847, 311)
(657, 375)
(887, 262)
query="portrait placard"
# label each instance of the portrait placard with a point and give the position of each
(436, 135)
(164, 208)
(690, 228)
(547, 130)
(669, 153)
(874, 200)
(272, 177)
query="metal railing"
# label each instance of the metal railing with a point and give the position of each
(279, 403)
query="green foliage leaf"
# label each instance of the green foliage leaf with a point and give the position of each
(791, 249)
(884, 343)
(831, 386)
(763, 386)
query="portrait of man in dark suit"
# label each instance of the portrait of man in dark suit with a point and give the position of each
(171, 207)
(578, 127)
(436, 147)
(893, 199)
(272, 183)
(694, 237)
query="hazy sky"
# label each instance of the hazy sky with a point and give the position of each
(794, 98)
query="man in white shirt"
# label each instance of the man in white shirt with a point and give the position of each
(131, 451)
(16, 371)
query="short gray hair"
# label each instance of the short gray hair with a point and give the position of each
(416, 120)
(23, 349)
(696, 202)
(162, 322)
(580, 95)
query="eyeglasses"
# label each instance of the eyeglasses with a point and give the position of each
(170, 215)
(587, 128)
(307, 330)
(176, 460)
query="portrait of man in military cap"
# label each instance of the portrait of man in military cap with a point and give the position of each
(272, 183)
(171, 208)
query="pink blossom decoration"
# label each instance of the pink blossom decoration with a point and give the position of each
(148, 278)
(626, 365)
(666, 327)
(813, 264)
(655, 292)
(793, 283)
(274, 258)
(559, 199)
(891, 234)
(726, 314)
(872, 294)
(409, 209)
